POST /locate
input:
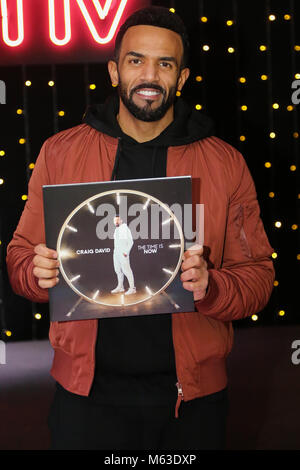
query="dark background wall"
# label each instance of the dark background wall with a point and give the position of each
(215, 85)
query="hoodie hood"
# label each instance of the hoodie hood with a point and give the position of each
(187, 127)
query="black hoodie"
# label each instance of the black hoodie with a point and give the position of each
(135, 361)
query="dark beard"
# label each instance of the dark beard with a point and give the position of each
(146, 113)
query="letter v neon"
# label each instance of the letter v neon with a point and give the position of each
(102, 12)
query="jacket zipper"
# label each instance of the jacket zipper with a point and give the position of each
(179, 398)
(243, 237)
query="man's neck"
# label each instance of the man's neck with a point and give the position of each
(139, 130)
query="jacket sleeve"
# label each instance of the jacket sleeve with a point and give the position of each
(29, 232)
(244, 283)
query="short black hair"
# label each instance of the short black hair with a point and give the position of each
(155, 16)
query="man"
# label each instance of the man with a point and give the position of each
(153, 381)
(122, 245)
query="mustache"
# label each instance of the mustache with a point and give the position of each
(148, 85)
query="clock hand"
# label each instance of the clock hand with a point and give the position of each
(74, 307)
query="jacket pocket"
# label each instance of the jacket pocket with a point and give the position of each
(57, 335)
(220, 335)
(204, 337)
(252, 236)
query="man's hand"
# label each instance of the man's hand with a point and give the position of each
(195, 274)
(45, 266)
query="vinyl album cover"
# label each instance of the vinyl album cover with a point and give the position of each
(120, 245)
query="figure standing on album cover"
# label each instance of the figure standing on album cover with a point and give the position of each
(123, 243)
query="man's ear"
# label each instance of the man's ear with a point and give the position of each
(184, 75)
(113, 72)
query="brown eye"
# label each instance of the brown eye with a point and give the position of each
(135, 61)
(165, 64)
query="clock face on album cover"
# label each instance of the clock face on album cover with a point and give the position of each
(120, 248)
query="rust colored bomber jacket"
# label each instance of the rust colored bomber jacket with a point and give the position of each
(241, 272)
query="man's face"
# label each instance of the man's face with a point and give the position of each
(148, 71)
(117, 221)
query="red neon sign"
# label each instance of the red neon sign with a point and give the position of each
(52, 23)
(20, 21)
(102, 13)
(60, 23)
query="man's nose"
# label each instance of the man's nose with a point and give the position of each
(150, 72)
